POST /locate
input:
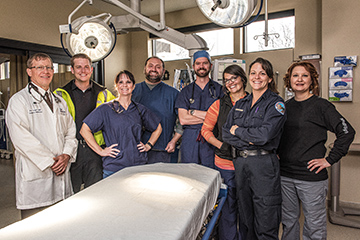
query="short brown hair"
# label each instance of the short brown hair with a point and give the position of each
(37, 57)
(314, 86)
(79, 55)
(162, 62)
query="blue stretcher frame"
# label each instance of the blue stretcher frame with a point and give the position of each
(210, 226)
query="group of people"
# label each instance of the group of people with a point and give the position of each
(270, 154)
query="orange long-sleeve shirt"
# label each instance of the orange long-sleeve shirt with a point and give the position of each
(207, 132)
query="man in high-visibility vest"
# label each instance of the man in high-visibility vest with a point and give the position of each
(82, 96)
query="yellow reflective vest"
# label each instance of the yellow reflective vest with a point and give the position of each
(103, 96)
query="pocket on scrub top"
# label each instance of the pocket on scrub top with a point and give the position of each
(258, 118)
(238, 114)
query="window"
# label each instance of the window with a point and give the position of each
(5, 70)
(220, 42)
(282, 23)
(168, 51)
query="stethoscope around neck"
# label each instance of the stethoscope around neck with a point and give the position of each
(32, 86)
(212, 91)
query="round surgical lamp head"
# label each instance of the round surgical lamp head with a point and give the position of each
(227, 13)
(94, 38)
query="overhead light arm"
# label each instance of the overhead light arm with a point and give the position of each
(74, 27)
(156, 25)
(190, 42)
(77, 9)
(125, 23)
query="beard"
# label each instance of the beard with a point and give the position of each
(204, 74)
(153, 78)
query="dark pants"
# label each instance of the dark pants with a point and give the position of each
(158, 156)
(258, 192)
(229, 222)
(195, 149)
(87, 169)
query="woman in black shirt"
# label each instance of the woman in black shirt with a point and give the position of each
(302, 152)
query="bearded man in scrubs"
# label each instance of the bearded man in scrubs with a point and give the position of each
(160, 98)
(192, 104)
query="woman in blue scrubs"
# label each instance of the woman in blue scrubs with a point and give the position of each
(122, 123)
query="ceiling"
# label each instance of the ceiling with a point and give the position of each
(148, 7)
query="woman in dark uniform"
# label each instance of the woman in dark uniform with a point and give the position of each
(253, 128)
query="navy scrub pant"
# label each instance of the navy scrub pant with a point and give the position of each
(195, 149)
(258, 192)
(229, 222)
(155, 156)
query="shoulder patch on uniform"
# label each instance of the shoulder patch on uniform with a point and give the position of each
(280, 107)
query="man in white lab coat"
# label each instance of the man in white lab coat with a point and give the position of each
(43, 134)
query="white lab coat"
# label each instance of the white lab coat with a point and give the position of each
(38, 136)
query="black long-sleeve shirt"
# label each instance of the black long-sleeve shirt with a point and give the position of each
(305, 135)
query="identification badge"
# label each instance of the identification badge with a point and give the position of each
(35, 111)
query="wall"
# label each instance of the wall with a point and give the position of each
(37, 21)
(340, 38)
(119, 59)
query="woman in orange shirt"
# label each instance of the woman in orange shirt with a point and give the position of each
(234, 84)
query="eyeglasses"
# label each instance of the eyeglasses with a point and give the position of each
(230, 80)
(42, 68)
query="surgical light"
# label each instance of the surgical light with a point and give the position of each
(227, 13)
(89, 35)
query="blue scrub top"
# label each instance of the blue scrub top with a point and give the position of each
(161, 101)
(123, 127)
(203, 98)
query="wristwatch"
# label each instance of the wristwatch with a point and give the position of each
(151, 146)
(192, 111)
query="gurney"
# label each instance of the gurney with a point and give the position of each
(155, 201)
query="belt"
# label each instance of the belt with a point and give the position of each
(246, 153)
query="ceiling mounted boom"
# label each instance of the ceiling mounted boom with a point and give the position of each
(89, 42)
